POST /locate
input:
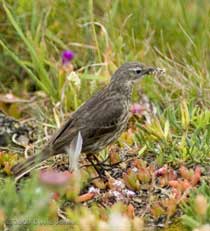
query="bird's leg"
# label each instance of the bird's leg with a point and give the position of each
(102, 164)
(99, 171)
(105, 166)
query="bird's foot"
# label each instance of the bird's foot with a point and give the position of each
(101, 166)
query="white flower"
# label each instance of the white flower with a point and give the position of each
(128, 193)
(73, 77)
(94, 190)
(118, 222)
(119, 184)
(135, 169)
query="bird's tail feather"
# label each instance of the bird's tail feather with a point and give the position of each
(20, 169)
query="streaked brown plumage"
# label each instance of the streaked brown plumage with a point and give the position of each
(100, 120)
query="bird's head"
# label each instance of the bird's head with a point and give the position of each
(129, 72)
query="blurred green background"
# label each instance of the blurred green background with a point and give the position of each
(170, 34)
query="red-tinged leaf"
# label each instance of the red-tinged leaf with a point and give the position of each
(99, 183)
(114, 157)
(131, 181)
(195, 179)
(184, 172)
(172, 175)
(111, 182)
(85, 197)
(170, 205)
(139, 164)
(115, 184)
(177, 193)
(2, 218)
(7, 160)
(144, 175)
(131, 211)
(157, 210)
(201, 205)
(173, 183)
(151, 169)
(198, 171)
(56, 196)
(163, 181)
(125, 179)
(129, 171)
(7, 168)
(185, 184)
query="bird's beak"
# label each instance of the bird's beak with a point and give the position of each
(153, 71)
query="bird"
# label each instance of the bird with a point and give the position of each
(100, 120)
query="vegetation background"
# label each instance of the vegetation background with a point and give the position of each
(174, 35)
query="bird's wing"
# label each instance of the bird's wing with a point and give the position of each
(76, 119)
(92, 127)
(67, 129)
(103, 123)
(107, 116)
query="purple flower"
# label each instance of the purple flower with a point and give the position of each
(67, 56)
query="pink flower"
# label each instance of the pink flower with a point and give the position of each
(53, 178)
(136, 108)
(161, 171)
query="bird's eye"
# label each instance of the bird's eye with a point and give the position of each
(138, 71)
